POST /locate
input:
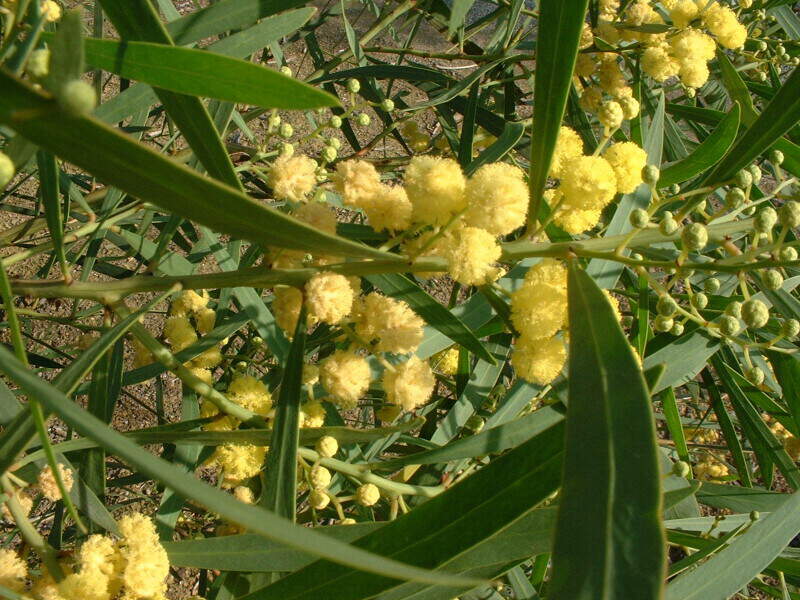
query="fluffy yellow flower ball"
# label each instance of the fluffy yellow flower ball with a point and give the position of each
(313, 414)
(410, 385)
(345, 376)
(208, 359)
(319, 215)
(497, 199)
(293, 177)
(205, 318)
(538, 310)
(329, 297)
(357, 181)
(610, 115)
(722, 22)
(549, 271)
(47, 482)
(187, 302)
(146, 563)
(250, 393)
(627, 159)
(390, 323)
(238, 462)
(368, 494)
(658, 63)
(539, 361)
(591, 98)
(447, 361)
(51, 11)
(612, 79)
(692, 45)
(471, 254)
(683, 12)
(588, 182)
(286, 308)
(389, 209)
(179, 333)
(585, 65)
(568, 145)
(13, 570)
(576, 220)
(435, 187)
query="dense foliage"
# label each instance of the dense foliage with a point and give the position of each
(398, 300)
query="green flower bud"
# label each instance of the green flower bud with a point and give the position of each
(650, 175)
(334, 143)
(77, 98)
(699, 300)
(755, 171)
(790, 214)
(286, 131)
(329, 154)
(475, 423)
(776, 157)
(728, 325)
(762, 45)
(286, 70)
(335, 122)
(353, 85)
(39, 63)
(755, 313)
(790, 328)
(668, 226)
(287, 149)
(662, 323)
(787, 254)
(674, 189)
(711, 285)
(677, 329)
(734, 309)
(765, 220)
(690, 92)
(755, 515)
(257, 340)
(363, 119)
(637, 257)
(681, 469)
(755, 376)
(639, 218)
(327, 446)
(761, 76)
(7, 169)
(318, 499)
(772, 279)
(388, 105)
(240, 366)
(695, 236)
(743, 179)
(780, 50)
(666, 306)
(274, 120)
(734, 198)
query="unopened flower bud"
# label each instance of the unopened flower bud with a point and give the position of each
(274, 120)
(287, 149)
(347, 521)
(755, 515)
(334, 143)
(755, 171)
(630, 107)
(240, 366)
(755, 313)
(77, 98)
(787, 254)
(734, 309)
(319, 499)
(694, 236)
(329, 154)
(681, 469)
(286, 131)
(7, 169)
(662, 323)
(734, 198)
(772, 279)
(327, 446)
(666, 306)
(790, 328)
(319, 477)
(699, 300)
(711, 285)
(286, 70)
(765, 220)
(668, 226)
(388, 105)
(475, 423)
(363, 119)
(353, 85)
(650, 175)
(610, 115)
(755, 375)
(368, 494)
(677, 329)
(335, 122)
(639, 218)
(728, 325)
(743, 179)
(790, 214)
(39, 63)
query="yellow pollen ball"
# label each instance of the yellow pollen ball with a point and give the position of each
(293, 177)
(549, 271)
(313, 414)
(368, 494)
(471, 256)
(47, 482)
(13, 570)
(569, 145)
(588, 182)
(627, 159)
(410, 385)
(539, 361)
(329, 297)
(388, 322)
(435, 187)
(239, 462)
(251, 393)
(538, 310)
(722, 22)
(389, 209)
(179, 333)
(357, 181)
(683, 12)
(346, 377)
(497, 199)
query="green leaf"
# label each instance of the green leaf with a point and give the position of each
(201, 73)
(780, 115)
(254, 518)
(66, 52)
(616, 549)
(458, 12)
(559, 32)
(144, 173)
(49, 190)
(434, 314)
(439, 532)
(280, 477)
(707, 154)
(512, 134)
(746, 556)
(684, 358)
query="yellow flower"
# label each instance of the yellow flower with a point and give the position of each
(329, 297)
(146, 564)
(250, 393)
(319, 215)
(683, 12)
(396, 327)
(585, 65)
(179, 333)
(205, 318)
(591, 98)
(569, 145)
(497, 199)
(722, 22)
(51, 11)
(471, 256)
(13, 570)
(587, 39)
(410, 385)
(549, 271)
(612, 79)
(627, 159)
(576, 220)
(238, 462)
(357, 181)
(208, 359)
(189, 301)
(389, 209)
(658, 63)
(539, 361)
(435, 187)
(610, 115)
(286, 308)
(538, 310)
(47, 482)
(346, 376)
(293, 177)
(368, 494)
(313, 414)
(446, 361)
(588, 182)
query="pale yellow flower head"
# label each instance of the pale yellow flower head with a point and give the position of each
(435, 187)
(472, 254)
(538, 310)
(13, 570)
(658, 63)
(410, 385)
(497, 199)
(389, 208)
(319, 215)
(683, 12)
(47, 482)
(569, 145)
(179, 333)
(293, 177)
(588, 182)
(357, 181)
(329, 297)
(446, 361)
(239, 462)
(345, 376)
(627, 159)
(388, 322)
(722, 22)
(250, 393)
(313, 414)
(539, 361)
